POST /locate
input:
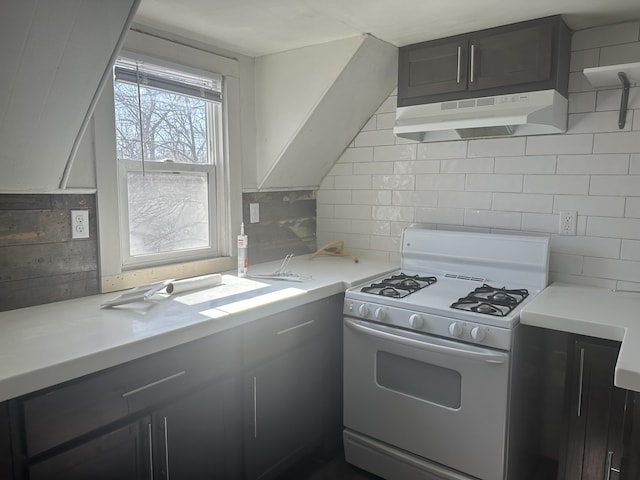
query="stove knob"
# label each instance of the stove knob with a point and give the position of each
(363, 310)
(478, 334)
(416, 321)
(380, 314)
(455, 329)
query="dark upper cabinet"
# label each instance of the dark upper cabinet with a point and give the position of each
(516, 58)
(598, 415)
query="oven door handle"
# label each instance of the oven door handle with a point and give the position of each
(432, 347)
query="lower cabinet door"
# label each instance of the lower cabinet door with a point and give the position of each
(597, 415)
(199, 436)
(120, 454)
(284, 410)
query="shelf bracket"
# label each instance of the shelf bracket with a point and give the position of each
(624, 99)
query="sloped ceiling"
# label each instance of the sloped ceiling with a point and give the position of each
(262, 27)
(54, 56)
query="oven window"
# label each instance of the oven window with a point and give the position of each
(428, 382)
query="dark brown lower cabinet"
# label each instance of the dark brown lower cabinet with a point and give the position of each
(122, 453)
(598, 415)
(5, 444)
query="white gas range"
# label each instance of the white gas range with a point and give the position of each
(427, 355)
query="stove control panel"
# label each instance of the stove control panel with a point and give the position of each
(442, 326)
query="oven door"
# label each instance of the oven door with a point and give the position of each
(441, 400)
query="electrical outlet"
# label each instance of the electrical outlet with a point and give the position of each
(79, 223)
(254, 213)
(568, 222)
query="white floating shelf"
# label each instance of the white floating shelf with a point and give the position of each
(607, 76)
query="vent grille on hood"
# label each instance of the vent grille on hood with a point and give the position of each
(530, 113)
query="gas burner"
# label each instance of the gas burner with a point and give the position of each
(490, 300)
(399, 285)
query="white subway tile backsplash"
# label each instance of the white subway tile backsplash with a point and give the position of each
(372, 168)
(371, 124)
(385, 243)
(628, 185)
(352, 211)
(624, 53)
(612, 269)
(590, 205)
(394, 182)
(335, 225)
(442, 216)
(393, 153)
(477, 200)
(609, 99)
(374, 138)
(605, 35)
(563, 263)
(493, 219)
(341, 169)
(614, 227)
(419, 166)
(389, 105)
(632, 208)
(582, 102)
(442, 181)
(467, 165)
(578, 83)
(540, 222)
(634, 164)
(497, 147)
(528, 164)
(415, 198)
(559, 144)
(442, 150)
(593, 164)
(581, 280)
(327, 183)
(523, 202)
(594, 122)
(352, 155)
(385, 120)
(324, 210)
(630, 250)
(493, 183)
(352, 182)
(371, 227)
(371, 197)
(395, 213)
(584, 59)
(561, 184)
(587, 246)
(628, 142)
(332, 197)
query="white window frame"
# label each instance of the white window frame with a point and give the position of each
(115, 275)
(214, 171)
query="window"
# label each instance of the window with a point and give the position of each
(168, 143)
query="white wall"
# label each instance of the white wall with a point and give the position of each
(382, 184)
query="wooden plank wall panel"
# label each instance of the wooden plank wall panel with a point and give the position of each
(39, 261)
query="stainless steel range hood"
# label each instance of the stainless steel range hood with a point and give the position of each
(529, 113)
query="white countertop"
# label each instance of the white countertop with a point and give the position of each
(595, 312)
(48, 344)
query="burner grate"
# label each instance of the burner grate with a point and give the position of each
(399, 285)
(490, 300)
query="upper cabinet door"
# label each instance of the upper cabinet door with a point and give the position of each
(511, 58)
(432, 69)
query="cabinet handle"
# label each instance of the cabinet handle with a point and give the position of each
(255, 407)
(608, 468)
(473, 55)
(286, 330)
(166, 448)
(459, 58)
(150, 435)
(580, 382)
(152, 384)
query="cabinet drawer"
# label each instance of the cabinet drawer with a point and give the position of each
(276, 334)
(64, 412)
